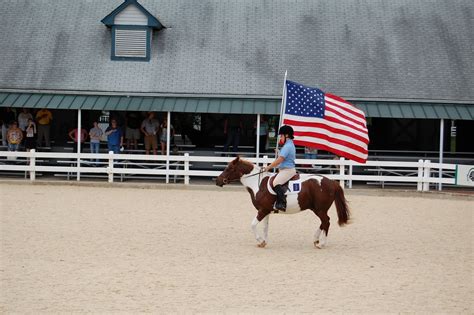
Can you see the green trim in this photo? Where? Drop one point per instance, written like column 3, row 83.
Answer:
column 221, row 105
column 413, row 110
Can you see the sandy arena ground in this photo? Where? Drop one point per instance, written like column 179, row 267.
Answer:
column 115, row 249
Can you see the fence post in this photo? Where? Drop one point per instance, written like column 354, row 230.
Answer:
column 32, row 165
column 440, row 175
column 419, row 183
column 349, row 183
column 426, row 176
column 110, row 168
column 78, row 174
column 341, row 171
column 186, row 168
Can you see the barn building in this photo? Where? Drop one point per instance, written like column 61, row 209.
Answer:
column 407, row 64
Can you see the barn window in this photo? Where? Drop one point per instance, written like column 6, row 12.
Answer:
column 132, row 26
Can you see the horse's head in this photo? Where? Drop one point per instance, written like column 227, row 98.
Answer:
column 234, row 171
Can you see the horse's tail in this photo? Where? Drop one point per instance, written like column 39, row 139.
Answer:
column 343, row 212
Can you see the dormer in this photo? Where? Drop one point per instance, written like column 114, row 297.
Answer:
column 131, row 29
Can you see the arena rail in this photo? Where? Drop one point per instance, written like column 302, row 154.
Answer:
column 422, row 173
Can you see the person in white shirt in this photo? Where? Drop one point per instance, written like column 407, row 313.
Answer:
column 23, row 118
column 95, row 135
column 30, row 133
column 163, row 135
column 150, row 127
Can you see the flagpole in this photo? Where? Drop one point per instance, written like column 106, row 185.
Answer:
column 282, row 110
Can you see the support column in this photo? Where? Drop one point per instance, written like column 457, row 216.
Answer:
column 168, row 136
column 258, row 136
column 441, row 142
column 79, row 129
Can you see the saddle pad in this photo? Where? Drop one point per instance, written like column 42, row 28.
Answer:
column 293, row 186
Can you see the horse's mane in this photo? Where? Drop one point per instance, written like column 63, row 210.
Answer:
column 248, row 163
column 244, row 164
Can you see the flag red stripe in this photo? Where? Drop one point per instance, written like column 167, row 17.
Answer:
column 337, row 121
column 322, row 125
column 350, row 107
column 330, row 149
column 359, row 117
column 357, row 122
column 334, row 123
column 337, row 98
column 330, row 139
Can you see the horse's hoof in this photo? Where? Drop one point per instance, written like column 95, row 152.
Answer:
column 262, row 244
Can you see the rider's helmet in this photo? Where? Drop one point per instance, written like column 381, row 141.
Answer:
column 286, row 130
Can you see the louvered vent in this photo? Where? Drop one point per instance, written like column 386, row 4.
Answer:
column 130, row 43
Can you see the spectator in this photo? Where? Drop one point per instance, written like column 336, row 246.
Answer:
column 1, row 126
column 114, row 137
column 232, row 129
column 311, row 154
column 163, row 135
column 30, row 133
column 336, row 167
column 7, row 116
column 14, row 136
column 150, row 127
column 95, row 135
column 44, row 118
column 23, row 119
column 74, row 135
column 263, row 134
column 132, row 131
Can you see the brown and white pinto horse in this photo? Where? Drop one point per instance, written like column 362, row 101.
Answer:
column 314, row 192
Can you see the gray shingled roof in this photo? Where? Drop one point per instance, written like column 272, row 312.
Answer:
column 386, row 49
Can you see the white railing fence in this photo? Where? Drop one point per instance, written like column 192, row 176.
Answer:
column 184, row 167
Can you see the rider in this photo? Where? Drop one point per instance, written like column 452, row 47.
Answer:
column 286, row 165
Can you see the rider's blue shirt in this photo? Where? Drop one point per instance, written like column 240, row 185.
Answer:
column 288, row 151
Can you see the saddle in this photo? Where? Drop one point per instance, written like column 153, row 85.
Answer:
column 291, row 186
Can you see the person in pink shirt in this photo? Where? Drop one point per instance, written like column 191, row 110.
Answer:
column 73, row 134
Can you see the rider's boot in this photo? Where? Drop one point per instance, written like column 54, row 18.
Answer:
column 280, row 203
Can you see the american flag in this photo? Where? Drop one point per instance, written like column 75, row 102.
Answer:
column 327, row 122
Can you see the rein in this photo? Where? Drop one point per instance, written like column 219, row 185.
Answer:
column 259, row 176
column 261, row 172
column 246, row 176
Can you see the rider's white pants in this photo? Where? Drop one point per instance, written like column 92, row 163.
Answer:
column 284, row 175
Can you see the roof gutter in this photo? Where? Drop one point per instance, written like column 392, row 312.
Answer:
column 237, row 96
